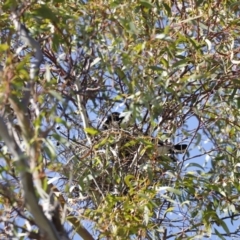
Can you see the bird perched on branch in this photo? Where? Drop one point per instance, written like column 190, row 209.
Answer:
column 169, row 148
column 116, row 120
column 113, row 120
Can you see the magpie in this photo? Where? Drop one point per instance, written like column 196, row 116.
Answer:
column 168, row 148
column 113, row 121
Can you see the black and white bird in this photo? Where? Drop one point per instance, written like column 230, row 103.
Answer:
column 169, row 148
column 113, row 120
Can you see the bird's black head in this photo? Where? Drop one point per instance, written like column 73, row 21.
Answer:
column 113, row 121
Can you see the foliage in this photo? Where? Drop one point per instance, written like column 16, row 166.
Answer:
column 172, row 67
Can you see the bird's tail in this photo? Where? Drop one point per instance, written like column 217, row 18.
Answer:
column 179, row 148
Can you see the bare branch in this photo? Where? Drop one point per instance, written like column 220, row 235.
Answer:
column 83, row 114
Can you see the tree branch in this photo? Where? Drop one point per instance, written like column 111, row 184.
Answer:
column 26, row 178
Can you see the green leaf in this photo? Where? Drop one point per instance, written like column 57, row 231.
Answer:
column 170, row 189
column 181, row 63
column 128, row 179
column 133, row 28
column 46, row 13
column 91, row 131
column 56, row 94
column 194, row 165
column 224, row 226
column 146, row 214
column 238, row 102
column 169, row 209
column 50, row 149
column 55, row 42
column 167, row 8
column 3, row 47
column 198, row 138
column 146, row 4
column 231, row 97
column 163, row 36
column 9, row 4
column 219, row 234
column 103, row 142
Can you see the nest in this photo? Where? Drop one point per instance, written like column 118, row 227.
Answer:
column 118, row 161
